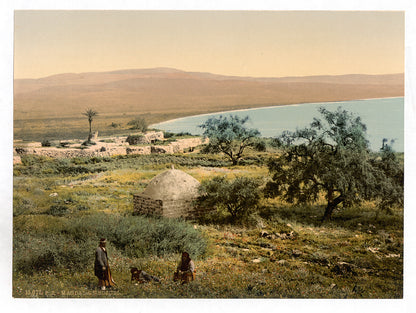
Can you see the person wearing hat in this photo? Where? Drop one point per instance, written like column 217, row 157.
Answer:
column 101, row 268
column 185, row 270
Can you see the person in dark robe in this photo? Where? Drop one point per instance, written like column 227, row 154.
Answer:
column 101, row 267
column 185, row 271
column 142, row 276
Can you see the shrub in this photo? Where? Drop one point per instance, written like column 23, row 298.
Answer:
column 167, row 135
column 72, row 243
column 260, row 145
column 134, row 139
column 42, row 252
column 57, row 210
column 238, row 197
column 138, row 123
column 31, row 159
column 22, row 205
column 115, row 125
column 46, row 143
column 63, row 144
column 138, row 236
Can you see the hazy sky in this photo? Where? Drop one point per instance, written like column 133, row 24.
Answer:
column 243, row 43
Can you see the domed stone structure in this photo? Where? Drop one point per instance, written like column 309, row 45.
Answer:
column 169, row 194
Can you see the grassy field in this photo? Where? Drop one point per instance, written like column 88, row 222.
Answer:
column 62, row 207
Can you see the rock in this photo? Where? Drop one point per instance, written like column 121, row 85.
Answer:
column 296, row 253
column 285, row 236
column 393, row 256
column 343, row 268
column 264, row 233
column 373, row 250
column 256, row 260
column 282, row 262
column 53, row 194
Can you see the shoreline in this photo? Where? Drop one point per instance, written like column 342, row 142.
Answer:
column 266, row 107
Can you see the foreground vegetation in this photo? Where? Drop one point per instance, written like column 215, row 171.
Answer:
column 62, row 207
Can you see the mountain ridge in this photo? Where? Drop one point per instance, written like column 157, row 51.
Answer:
column 168, row 90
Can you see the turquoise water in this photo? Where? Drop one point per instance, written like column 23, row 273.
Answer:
column 384, row 119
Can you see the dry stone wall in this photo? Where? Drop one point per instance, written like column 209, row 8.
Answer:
column 147, row 206
column 177, row 208
column 167, row 208
column 117, row 147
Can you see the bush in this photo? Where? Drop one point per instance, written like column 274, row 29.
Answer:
column 238, row 197
column 139, row 235
column 134, row 139
column 22, row 205
column 46, row 143
column 139, row 124
column 31, row 160
column 72, row 243
column 63, row 144
column 57, row 210
column 44, row 252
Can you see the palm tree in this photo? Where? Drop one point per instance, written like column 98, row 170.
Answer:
column 90, row 114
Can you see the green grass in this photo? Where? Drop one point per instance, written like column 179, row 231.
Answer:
column 60, row 212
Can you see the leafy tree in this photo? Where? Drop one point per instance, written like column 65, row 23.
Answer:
column 390, row 178
column 229, row 135
column 332, row 156
column 90, row 114
column 139, row 124
column 237, row 197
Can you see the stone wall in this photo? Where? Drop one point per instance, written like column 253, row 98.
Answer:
column 138, row 150
column 119, row 147
column 178, row 208
column 154, row 136
column 168, row 208
column 57, row 153
column 147, row 206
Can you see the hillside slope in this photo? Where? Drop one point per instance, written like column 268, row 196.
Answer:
column 164, row 90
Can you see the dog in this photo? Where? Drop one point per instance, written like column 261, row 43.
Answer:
column 142, row 276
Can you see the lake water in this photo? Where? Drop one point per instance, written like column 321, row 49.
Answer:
column 384, row 118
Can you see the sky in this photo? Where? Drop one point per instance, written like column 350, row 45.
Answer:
column 241, row 43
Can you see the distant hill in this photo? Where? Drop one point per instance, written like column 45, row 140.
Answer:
column 167, row 91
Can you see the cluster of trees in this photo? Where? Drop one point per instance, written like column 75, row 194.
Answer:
column 331, row 157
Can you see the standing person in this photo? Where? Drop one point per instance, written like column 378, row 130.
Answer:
column 101, row 268
column 185, row 270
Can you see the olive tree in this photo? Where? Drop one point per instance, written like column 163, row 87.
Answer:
column 229, row 135
column 332, row 157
